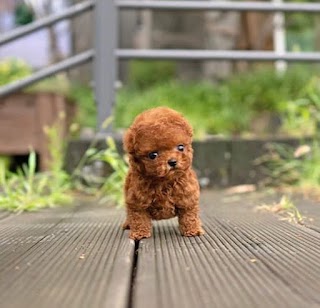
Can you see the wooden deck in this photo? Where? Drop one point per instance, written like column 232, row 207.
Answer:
column 79, row 257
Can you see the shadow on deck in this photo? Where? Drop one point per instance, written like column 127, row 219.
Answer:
column 79, row 257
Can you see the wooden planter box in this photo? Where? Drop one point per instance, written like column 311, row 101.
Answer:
column 23, row 117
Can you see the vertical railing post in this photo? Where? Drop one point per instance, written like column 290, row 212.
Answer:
column 105, row 63
column 279, row 37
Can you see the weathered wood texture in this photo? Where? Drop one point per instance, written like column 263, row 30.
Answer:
column 310, row 210
column 4, row 214
column 80, row 257
column 23, row 117
column 65, row 258
column 246, row 259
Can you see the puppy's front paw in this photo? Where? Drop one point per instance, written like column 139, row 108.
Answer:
column 139, row 235
column 192, row 232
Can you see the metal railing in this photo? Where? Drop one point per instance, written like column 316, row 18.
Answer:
column 46, row 21
column 232, row 55
column 106, row 52
column 55, row 68
column 218, row 5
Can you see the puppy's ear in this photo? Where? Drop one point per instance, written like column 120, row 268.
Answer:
column 128, row 141
column 189, row 130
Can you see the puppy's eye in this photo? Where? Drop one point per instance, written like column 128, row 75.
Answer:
column 180, row 147
column 153, row 155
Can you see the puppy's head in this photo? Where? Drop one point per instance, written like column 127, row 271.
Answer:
column 159, row 143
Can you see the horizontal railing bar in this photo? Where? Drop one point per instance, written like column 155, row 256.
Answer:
column 183, row 54
column 219, row 5
column 47, row 72
column 46, row 21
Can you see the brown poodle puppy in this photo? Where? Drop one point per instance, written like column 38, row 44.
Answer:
column 161, row 183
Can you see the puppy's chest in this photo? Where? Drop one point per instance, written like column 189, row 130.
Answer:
column 163, row 196
column 163, row 203
column 166, row 197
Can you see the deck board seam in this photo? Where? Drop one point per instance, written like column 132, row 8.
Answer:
column 133, row 274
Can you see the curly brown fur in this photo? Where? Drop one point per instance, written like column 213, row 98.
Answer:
column 161, row 183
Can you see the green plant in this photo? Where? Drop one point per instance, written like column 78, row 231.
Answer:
column 264, row 89
column 284, row 207
column 23, row 14
column 302, row 115
column 58, row 84
column 101, row 172
column 215, row 109
column 210, row 110
column 145, row 73
column 279, row 165
column 27, row 190
column 197, row 102
column 13, row 69
column 287, row 165
column 57, row 149
column 311, row 167
column 112, row 185
column 107, row 184
column 87, row 111
column 5, row 161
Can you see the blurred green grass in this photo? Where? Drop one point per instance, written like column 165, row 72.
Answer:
column 227, row 108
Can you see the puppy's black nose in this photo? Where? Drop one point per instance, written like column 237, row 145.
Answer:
column 172, row 162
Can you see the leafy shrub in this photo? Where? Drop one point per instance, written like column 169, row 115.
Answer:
column 288, row 165
column 264, row 89
column 87, row 111
column 145, row 73
column 301, row 116
column 227, row 108
column 107, row 182
column 27, row 190
column 13, row 69
column 23, row 14
column 198, row 102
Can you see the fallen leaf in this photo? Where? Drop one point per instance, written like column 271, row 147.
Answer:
column 302, row 150
column 241, row 189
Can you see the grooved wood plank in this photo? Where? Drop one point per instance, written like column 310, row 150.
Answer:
column 64, row 258
column 4, row 214
column 79, row 257
column 246, row 259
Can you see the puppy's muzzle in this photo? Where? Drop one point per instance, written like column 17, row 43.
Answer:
column 172, row 163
